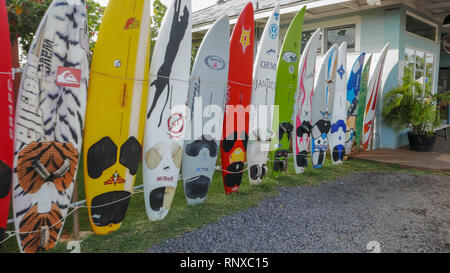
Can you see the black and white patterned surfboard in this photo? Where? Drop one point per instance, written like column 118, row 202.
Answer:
column 49, row 124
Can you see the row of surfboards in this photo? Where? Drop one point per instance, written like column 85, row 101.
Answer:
column 63, row 104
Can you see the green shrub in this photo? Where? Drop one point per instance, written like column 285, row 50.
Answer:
column 415, row 108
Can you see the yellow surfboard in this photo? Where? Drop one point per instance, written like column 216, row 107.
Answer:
column 115, row 117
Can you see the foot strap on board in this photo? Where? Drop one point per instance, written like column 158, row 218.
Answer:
column 45, row 174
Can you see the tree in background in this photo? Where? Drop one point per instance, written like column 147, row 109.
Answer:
column 94, row 17
column 24, row 17
column 159, row 10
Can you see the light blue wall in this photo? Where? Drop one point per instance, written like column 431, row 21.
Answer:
column 378, row 27
column 372, row 30
column 392, row 34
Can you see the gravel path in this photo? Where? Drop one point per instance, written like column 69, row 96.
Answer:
column 402, row 211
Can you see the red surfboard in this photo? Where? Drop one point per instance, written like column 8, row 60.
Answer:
column 236, row 118
column 6, row 118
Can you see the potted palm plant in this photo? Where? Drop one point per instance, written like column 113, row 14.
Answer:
column 410, row 106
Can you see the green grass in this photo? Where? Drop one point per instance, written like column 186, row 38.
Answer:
column 137, row 233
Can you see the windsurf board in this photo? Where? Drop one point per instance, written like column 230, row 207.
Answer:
column 373, row 92
column 338, row 111
column 49, row 125
column 115, row 112
column 303, row 103
column 6, row 119
column 353, row 88
column 323, row 90
column 235, row 122
column 206, row 102
column 263, row 98
column 166, row 109
column 287, row 79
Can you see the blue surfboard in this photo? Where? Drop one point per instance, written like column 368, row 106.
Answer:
column 353, row 87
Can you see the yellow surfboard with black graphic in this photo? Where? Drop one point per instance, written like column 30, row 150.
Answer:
column 117, row 97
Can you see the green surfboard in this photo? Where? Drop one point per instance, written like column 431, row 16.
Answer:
column 362, row 102
column 287, row 76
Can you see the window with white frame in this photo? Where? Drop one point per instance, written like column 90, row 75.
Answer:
column 419, row 67
column 333, row 35
column 337, row 35
column 306, row 35
column 421, row 27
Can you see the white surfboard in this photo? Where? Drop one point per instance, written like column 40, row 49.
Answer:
column 166, row 109
column 323, row 90
column 206, row 102
column 374, row 88
column 303, row 103
column 338, row 102
column 50, row 113
column 263, row 98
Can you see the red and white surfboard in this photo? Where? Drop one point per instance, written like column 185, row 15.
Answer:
column 6, row 118
column 235, row 130
column 373, row 90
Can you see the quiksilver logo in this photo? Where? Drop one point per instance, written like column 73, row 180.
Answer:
column 69, row 77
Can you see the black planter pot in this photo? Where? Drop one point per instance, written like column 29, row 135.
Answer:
column 421, row 143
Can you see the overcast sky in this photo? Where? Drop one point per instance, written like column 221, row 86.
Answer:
column 196, row 4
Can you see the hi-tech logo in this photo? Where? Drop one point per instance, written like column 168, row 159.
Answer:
column 132, row 23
